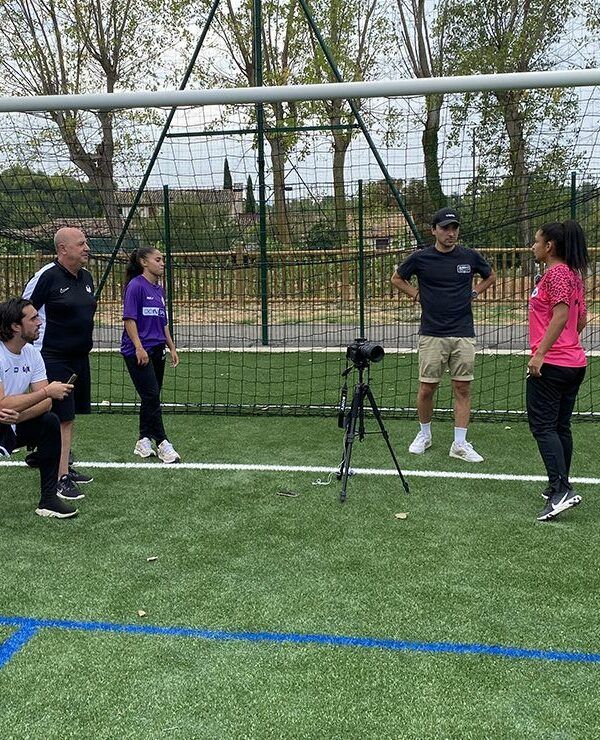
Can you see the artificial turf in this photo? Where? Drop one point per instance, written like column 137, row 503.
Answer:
column 310, row 382
column 469, row 564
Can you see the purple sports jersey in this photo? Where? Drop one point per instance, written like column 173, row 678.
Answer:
column 144, row 303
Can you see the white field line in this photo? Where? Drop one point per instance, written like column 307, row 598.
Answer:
column 260, row 349
column 265, row 407
column 311, row 469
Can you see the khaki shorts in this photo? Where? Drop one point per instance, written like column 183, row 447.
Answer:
column 438, row 353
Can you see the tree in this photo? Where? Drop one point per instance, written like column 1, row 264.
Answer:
column 227, row 181
column 512, row 36
column 283, row 41
column 194, row 227
column 421, row 43
column 354, row 32
column 250, row 204
column 379, row 201
column 30, row 198
column 58, row 47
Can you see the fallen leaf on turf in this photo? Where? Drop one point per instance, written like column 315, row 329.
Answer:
column 507, row 427
column 152, row 558
column 141, row 613
column 401, row 515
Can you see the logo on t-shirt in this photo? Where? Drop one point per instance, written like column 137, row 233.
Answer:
column 63, row 290
column 87, row 287
column 463, row 268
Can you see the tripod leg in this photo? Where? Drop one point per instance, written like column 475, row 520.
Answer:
column 386, row 436
column 355, row 410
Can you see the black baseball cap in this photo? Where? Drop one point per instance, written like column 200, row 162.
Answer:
column 445, row 216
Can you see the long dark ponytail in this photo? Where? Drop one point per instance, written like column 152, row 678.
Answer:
column 569, row 240
column 134, row 266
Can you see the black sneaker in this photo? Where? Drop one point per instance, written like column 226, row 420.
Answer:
column 559, row 502
column 546, row 493
column 78, row 477
column 56, row 508
column 32, row 459
column 67, row 490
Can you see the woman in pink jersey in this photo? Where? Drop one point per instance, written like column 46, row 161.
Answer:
column 557, row 316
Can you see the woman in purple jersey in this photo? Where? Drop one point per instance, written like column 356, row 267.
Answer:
column 145, row 339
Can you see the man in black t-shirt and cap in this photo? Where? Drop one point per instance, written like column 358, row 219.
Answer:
column 445, row 291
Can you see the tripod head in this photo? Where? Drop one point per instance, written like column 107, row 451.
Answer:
column 361, row 352
column 359, row 356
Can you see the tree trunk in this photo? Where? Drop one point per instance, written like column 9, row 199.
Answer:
column 281, row 225
column 98, row 167
column 511, row 113
column 341, row 142
column 430, row 145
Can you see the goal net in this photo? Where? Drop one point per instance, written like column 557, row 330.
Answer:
column 272, row 272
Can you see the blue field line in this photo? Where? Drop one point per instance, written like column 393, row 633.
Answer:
column 26, row 632
column 28, row 628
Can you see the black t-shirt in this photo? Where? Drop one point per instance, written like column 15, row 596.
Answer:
column 445, row 285
column 66, row 305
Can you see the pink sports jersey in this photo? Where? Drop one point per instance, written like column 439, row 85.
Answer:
column 559, row 284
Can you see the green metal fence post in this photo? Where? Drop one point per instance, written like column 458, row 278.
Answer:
column 168, row 257
column 361, row 260
column 573, row 195
column 262, row 191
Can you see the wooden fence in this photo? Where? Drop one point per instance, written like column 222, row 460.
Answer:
column 304, row 276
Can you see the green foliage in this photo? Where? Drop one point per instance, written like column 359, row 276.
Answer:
column 227, row 181
column 504, row 37
column 30, row 198
column 379, row 200
column 250, row 202
column 195, row 227
column 491, row 219
column 83, row 46
column 322, row 235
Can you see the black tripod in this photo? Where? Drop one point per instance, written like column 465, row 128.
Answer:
column 356, row 416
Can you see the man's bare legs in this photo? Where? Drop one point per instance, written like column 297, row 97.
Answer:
column 462, row 402
column 460, row 448
column 425, row 397
column 425, row 401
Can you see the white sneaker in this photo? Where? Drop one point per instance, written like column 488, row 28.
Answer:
column 419, row 444
column 465, row 451
column 166, row 453
column 143, row 448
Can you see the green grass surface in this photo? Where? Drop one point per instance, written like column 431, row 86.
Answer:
column 312, row 379
column 469, row 564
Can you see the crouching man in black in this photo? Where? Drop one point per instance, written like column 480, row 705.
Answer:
column 26, row 399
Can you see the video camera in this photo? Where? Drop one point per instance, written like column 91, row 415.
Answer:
column 361, row 352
